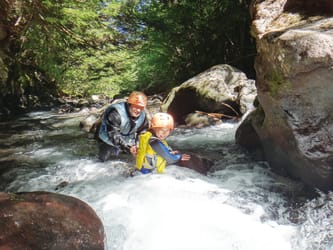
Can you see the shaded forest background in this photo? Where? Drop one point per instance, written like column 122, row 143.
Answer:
column 50, row 48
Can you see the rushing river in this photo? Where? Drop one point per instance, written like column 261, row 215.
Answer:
column 241, row 204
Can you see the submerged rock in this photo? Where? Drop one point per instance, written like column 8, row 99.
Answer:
column 198, row 163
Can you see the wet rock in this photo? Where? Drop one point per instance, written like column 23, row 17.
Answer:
column 89, row 123
column 201, row 120
column 43, row 220
column 247, row 137
column 294, row 81
column 61, row 185
column 197, row 163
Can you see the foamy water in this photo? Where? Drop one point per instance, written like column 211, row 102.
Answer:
column 239, row 205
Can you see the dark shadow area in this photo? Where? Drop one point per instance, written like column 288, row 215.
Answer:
column 310, row 7
column 185, row 102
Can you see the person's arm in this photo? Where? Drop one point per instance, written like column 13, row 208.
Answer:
column 164, row 151
column 113, row 121
column 143, row 128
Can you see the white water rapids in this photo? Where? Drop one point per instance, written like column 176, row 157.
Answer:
column 240, row 205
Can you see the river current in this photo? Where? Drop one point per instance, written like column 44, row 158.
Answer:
column 240, row 204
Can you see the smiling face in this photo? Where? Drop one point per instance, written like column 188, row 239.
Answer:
column 162, row 133
column 135, row 110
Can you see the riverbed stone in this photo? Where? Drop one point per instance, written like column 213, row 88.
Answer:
column 44, row 220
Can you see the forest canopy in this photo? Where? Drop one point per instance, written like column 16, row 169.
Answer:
column 80, row 48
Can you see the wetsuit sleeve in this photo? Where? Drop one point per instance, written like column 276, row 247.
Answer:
column 113, row 121
column 163, row 151
column 144, row 127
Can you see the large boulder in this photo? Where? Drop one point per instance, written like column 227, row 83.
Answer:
column 221, row 89
column 42, row 220
column 294, row 68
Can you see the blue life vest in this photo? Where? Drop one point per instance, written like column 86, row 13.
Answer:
column 127, row 133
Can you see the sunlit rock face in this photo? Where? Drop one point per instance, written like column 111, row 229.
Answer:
column 294, row 68
column 42, row 220
column 221, row 89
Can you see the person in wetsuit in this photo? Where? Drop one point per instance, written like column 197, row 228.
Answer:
column 121, row 124
column 154, row 152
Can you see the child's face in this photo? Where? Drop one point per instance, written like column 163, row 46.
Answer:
column 162, row 133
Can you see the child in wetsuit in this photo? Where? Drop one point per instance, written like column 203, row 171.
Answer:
column 154, row 152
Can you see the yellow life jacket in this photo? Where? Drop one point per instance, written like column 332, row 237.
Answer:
column 147, row 157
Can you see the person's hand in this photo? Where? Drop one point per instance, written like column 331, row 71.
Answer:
column 174, row 152
column 185, row 157
column 134, row 150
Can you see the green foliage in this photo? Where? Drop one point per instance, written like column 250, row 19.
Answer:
column 106, row 47
column 106, row 72
column 100, row 64
column 184, row 38
column 81, row 51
